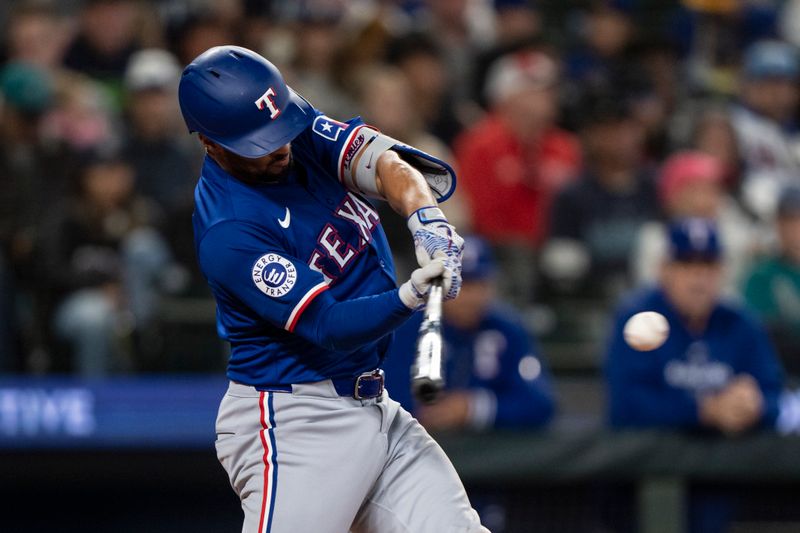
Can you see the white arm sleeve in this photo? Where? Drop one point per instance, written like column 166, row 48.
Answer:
column 359, row 170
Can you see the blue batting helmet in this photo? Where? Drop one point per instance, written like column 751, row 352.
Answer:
column 240, row 101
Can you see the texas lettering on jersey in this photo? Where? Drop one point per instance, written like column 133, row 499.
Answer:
column 332, row 248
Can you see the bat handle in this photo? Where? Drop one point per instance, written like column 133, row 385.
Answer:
column 427, row 380
column 433, row 309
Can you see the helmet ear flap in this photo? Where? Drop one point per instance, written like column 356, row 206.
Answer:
column 239, row 100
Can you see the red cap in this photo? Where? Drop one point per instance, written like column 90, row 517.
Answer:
column 685, row 168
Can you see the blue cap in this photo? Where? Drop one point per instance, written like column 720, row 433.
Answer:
column 770, row 59
column 477, row 263
column 694, row 239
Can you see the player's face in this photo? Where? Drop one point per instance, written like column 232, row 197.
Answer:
column 693, row 287
column 269, row 168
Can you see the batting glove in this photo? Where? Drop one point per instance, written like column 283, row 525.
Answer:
column 435, row 238
column 414, row 292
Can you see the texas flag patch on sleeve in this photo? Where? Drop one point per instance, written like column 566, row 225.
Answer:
column 328, row 128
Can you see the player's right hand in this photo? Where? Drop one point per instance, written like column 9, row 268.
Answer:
column 414, row 292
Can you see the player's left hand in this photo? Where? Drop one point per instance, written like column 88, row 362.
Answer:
column 414, row 292
column 434, row 238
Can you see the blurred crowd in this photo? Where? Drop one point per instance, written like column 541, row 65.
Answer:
column 581, row 133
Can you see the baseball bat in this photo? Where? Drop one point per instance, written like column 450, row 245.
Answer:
column 427, row 380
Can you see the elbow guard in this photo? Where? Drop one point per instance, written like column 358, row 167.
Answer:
column 366, row 146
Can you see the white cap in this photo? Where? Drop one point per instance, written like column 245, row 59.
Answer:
column 151, row 68
column 519, row 71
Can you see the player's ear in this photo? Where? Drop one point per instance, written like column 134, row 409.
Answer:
column 211, row 147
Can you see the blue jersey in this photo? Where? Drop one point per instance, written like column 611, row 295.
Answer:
column 662, row 387
column 269, row 250
column 497, row 360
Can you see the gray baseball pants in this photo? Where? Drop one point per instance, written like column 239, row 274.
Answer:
column 312, row 461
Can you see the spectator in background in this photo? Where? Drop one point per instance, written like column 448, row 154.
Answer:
column 37, row 35
column 691, row 184
column 461, row 29
column 764, row 122
column 364, row 39
column 31, row 172
column 713, row 134
column 86, row 68
column 607, row 31
column 228, row 12
column 513, row 161
column 199, row 33
column 495, row 376
column 712, row 36
column 772, row 289
column 717, row 369
column 517, row 21
column 601, row 213
column 654, row 87
column 27, row 94
column 519, row 25
column 105, row 42
column 422, row 62
column 313, row 68
column 101, row 257
column 84, row 118
column 163, row 165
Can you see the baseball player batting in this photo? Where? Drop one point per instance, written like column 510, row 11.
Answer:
column 306, row 296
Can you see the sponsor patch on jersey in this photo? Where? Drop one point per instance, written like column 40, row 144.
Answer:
column 274, row 275
column 328, row 128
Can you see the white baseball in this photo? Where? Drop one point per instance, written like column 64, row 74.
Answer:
column 646, row 331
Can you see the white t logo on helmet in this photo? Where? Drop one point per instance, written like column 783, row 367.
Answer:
column 266, row 101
